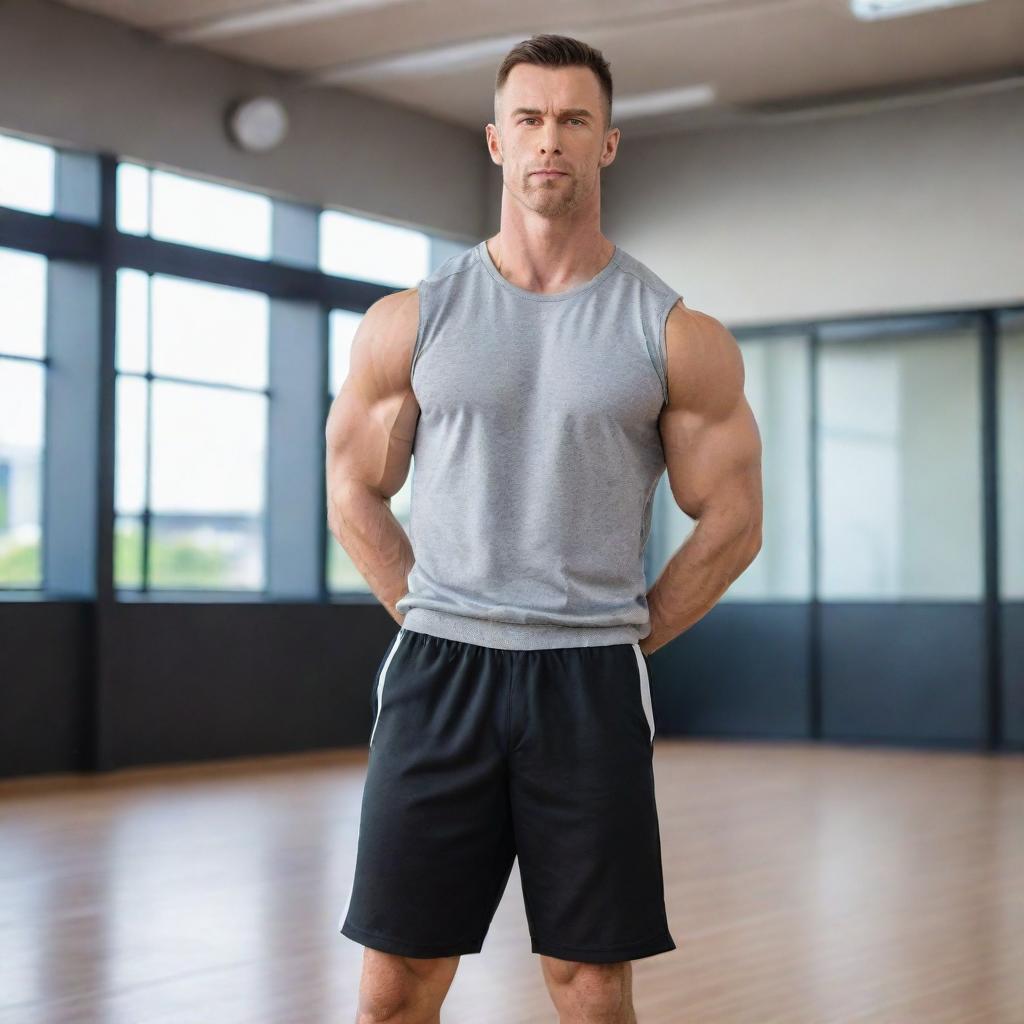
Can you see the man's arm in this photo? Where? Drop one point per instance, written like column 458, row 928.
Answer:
column 370, row 431
column 713, row 456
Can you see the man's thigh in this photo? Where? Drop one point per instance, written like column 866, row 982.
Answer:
column 435, row 846
column 583, row 804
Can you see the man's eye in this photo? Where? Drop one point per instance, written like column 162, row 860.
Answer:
column 525, row 119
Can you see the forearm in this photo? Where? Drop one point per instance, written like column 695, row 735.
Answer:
column 698, row 574
column 362, row 522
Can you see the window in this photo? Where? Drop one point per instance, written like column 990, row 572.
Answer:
column 899, row 503
column 26, row 175
column 369, row 250
column 342, row 574
column 191, row 414
column 205, row 214
column 22, row 407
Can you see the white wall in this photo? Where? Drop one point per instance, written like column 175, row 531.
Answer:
column 74, row 78
column 910, row 209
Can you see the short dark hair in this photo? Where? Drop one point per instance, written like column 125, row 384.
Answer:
column 554, row 51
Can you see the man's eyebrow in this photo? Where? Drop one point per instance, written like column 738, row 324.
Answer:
column 568, row 112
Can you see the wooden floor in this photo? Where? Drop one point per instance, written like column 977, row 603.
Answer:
column 805, row 884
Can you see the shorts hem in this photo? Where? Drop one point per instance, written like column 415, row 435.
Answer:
column 390, row 944
column 662, row 942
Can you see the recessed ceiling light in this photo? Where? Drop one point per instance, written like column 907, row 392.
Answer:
column 448, row 58
column 663, row 101
column 872, row 10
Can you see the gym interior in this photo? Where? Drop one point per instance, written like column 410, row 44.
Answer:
column 198, row 203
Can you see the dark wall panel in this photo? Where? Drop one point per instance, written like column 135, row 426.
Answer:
column 198, row 681
column 903, row 672
column 195, row 681
column 1013, row 673
column 742, row 670
column 45, row 686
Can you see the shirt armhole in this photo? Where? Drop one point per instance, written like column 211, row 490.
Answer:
column 421, row 290
column 662, row 327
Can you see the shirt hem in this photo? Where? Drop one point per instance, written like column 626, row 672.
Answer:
column 518, row 635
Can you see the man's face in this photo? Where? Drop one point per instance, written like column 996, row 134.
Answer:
column 551, row 117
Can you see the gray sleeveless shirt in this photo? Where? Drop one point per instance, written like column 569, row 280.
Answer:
column 536, row 455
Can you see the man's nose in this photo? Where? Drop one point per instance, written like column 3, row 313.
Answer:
column 549, row 138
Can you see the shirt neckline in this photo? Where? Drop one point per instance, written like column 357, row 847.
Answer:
column 526, row 293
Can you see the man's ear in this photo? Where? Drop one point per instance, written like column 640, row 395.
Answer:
column 495, row 150
column 614, row 135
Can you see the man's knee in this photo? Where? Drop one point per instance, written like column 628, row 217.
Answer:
column 401, row 989
column 590, row 991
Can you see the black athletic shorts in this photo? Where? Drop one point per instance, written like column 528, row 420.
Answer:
column 478, row 755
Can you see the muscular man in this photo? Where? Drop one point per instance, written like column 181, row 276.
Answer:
column 544, row 380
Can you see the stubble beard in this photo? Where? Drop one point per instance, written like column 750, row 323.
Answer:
column 551, row 197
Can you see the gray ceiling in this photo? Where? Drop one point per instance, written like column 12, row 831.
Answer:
column 766, row 60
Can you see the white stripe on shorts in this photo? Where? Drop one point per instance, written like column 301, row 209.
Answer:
column 645, row 687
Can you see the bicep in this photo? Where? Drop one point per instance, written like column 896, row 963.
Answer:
column 710, row 437
column 372, row 421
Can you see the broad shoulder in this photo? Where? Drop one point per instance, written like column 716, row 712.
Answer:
column 380, row 356
column 705, row 366
column 384, row 341
column 394, row 316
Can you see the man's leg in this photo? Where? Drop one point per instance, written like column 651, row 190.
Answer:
column 403, row 989
column 581, row 781
column 435, row 845
column 587, row 993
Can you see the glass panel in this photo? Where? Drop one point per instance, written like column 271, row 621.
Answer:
column 342, row 330
column 132, row 320
column 210, row 215
column 209, row 450
column 777, row 387
column 132, row 199
column 370, row 250
column 22, row 404
column 401, row 501
column 342, row 574
column 23, row 302
column 208, row 483
column 207, row 552
column 130, row 472
column 1011, row 460
column 209, row 332
column 900, row 468
column 128, row 552
column 26, row 175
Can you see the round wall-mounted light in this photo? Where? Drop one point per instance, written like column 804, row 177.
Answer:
column 258, row 123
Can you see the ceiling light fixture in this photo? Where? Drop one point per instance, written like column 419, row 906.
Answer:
column 267, row 19
column 873, row 10
column 257, row 124
column 455, row 57
column 663, row 101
